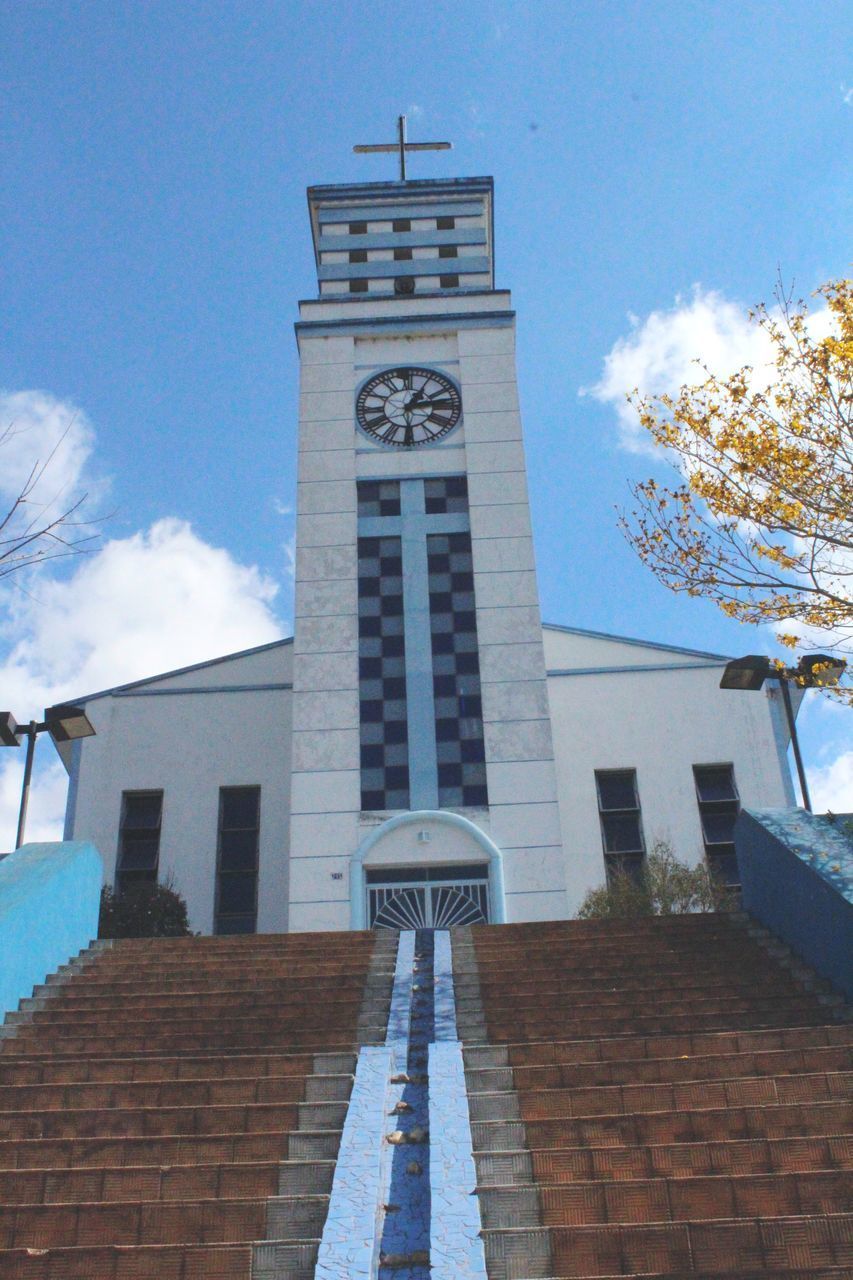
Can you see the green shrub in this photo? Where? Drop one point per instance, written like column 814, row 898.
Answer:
column 145, row 911
column 665, row 887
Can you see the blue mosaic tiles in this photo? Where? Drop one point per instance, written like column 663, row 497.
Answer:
column 350, row 1243
column 403, row 1203
column 456, row 1249
column 405, row 1249
column 823, row 841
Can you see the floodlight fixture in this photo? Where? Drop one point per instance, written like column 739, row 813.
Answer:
column 8, row 730
column 820, row 670
column 66, row 723
column 813, row 671
column 746, row 673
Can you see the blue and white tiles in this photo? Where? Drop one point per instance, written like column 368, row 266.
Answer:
column 402, row 1204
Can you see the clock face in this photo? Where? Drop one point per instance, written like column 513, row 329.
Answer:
column 407, row 406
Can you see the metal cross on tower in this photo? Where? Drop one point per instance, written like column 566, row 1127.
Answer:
column 402, row 146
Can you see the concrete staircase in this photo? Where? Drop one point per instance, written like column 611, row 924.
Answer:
column 173, row 1108
column 655, row 1098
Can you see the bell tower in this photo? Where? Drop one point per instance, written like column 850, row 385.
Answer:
column 423, row 787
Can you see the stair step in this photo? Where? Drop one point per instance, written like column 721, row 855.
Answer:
column 140, row 1182
column 167, row 1149
column 668, row 1199
column 662, row 1127
column 673, row 1160
column 749, row 1091
column 112, row 1262
column 768, row 1246
column 61, row 1070
column 45, row 1226
column 672, row 1070
column 634, row 1047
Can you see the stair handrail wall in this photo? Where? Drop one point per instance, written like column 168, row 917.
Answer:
column 49, row 902
column 796, row 872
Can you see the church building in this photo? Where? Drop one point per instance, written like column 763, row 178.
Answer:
column 423, row 751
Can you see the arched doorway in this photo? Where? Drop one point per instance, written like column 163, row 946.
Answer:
column 426, row 866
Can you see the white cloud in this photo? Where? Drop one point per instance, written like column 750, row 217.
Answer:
column 660, row 354
column 41, row 431
column 159, row 599
column 162, row 598
column 46, row 813
column 831, row 785
column 663, row 351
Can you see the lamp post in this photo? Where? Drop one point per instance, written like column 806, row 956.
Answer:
column 814, row 670
column 63, row 722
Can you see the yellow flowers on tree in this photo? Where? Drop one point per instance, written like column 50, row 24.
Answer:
column 762, row 523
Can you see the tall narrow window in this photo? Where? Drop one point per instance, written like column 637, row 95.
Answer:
column 621, row 828
column 139, row 839
column 718, row 809
column 237, row 860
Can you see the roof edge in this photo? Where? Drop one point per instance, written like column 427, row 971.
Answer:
column 644, row 644
column 180, row 671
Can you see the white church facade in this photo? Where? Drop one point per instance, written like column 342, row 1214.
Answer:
column 423, row 750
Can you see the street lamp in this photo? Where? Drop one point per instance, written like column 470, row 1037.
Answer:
column 814, row 670
column 63, row 722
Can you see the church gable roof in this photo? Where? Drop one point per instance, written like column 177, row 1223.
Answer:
column 578, row 649
column 263, row 664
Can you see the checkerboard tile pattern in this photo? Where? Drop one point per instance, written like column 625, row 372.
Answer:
column 456, row 672
column 382, row 675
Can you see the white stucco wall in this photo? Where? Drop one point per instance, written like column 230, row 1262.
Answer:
column 189, row 744
column 661, row 720
column 614, row 704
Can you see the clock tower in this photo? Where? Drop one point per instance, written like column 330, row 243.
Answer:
column 423, row 787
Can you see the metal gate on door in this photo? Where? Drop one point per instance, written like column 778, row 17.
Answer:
column 427, row 897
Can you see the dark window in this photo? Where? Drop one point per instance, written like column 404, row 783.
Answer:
column 358, row 286
column 237, row 860
column 402, row 224
column 621, row 828
column 448, row 251
column 402, row 255
column 358, row 255
column 718, row 809
column 358, row 228
column 445, row 224
column 139, row 839
column 448, row 282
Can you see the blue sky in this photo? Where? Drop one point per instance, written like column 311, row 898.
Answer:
column 654, row 160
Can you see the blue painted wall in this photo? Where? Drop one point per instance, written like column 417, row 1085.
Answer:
column 49, row 900
column 796, row 872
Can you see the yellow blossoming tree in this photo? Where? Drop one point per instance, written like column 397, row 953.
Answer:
column 762, row 520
